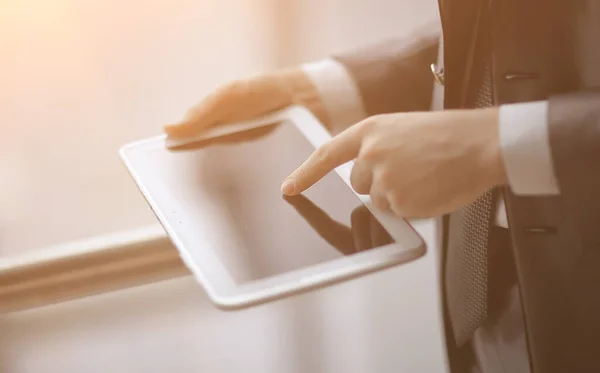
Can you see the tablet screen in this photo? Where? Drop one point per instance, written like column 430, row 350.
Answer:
column 232, row 183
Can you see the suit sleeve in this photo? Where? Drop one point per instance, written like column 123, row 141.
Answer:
column 395, row 76
column 574, row 134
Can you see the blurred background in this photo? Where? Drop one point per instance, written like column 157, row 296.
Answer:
column 80, row 78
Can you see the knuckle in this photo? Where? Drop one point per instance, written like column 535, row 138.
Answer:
column 409, row 205
column 380, row 201
column 395, row 199
column 322, row 153
column 369, row 150
column 367, row 125
column 385, row 178
column 355, row 183
column 359, row 180
column 400, row 198
column 354, row 175
column 300, row 173
column 398, row 204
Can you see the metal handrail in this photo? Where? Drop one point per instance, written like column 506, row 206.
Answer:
column 78, row 269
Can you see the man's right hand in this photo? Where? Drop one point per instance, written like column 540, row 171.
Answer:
column 250, row 98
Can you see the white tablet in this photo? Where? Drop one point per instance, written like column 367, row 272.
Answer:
column 219, row 200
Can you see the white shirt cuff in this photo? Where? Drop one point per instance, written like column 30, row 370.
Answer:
column 526, row 148
column 338, row 91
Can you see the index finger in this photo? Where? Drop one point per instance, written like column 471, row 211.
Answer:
column 342, row 148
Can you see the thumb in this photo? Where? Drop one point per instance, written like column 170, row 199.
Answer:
column 202, row 115
column 237, row 101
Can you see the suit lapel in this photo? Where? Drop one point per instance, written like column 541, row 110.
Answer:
column 459, row 19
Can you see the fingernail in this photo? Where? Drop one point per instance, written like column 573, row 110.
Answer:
column 171, row 128
column 288, row 186
column 177, row 128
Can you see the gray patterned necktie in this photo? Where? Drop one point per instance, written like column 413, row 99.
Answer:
column 467, row 256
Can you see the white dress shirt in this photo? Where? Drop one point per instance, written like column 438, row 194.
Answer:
column 523, row 130
column 528, row 164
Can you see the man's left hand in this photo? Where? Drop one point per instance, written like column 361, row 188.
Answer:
column 414, row 164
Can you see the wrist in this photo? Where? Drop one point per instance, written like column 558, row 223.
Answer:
column 303, row 92
column 492, row 165
column 338, row 91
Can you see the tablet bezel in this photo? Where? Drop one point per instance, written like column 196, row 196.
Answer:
column 205, row 263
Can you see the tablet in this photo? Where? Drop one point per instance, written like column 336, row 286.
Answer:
column 218, row 197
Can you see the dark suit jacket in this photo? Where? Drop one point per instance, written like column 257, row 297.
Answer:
column 541, row 50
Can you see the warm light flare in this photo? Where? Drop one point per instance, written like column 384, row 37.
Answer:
column 79, row 78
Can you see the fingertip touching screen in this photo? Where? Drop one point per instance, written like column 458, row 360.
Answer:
column 233, row 183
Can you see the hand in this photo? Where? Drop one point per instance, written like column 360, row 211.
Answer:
column 250, row 98
column 365, row 233
column 414, row 164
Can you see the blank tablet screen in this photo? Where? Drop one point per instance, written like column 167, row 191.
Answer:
column 231, row 187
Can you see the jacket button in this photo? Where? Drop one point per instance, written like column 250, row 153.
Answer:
column 520, row 76
column 540, row 230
